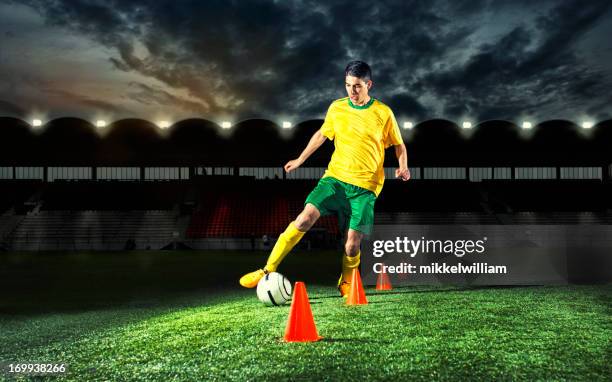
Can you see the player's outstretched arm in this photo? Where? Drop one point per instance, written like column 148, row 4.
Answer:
column 402, row 158
column 315, row 142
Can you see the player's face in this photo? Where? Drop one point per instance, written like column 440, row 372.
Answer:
column 357, row 89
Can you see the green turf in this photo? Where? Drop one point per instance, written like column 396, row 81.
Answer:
column 416, row 333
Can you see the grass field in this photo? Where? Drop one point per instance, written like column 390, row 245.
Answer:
column 180, row 316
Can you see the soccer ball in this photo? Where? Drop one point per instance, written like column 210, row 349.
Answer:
column 274, row 289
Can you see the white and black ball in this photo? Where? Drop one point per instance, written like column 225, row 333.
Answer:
column 274, row 289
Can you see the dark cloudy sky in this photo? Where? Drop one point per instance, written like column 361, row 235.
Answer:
column 175, row 59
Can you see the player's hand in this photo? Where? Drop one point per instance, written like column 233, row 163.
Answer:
column 292, row 165
column 402, row 173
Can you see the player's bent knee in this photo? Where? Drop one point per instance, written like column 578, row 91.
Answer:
column 307, row 218
column 303, row 222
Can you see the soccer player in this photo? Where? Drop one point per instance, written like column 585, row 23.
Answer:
column 361, row 127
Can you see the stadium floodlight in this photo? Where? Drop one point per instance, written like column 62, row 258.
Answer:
column 163, row 124
column 466, row 124
column 226, row 124
column 527, row 125
column 100, row 123
column 587, row 124
column 36, row 122
column 287, row 125
column 408, row 125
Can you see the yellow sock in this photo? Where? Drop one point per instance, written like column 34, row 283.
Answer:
column 286, row 241
column 348, row 264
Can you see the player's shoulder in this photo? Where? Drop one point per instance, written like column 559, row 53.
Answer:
column 336, row 105
column 382, row 106
column 339, row 101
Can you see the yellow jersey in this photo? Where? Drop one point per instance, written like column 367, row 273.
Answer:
column 360, row 134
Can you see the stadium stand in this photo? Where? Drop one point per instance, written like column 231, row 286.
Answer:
column 112, row 195
column 38, row 210
column 264, row 209
column 13, row 194
column 100, row 230
column 108, row 214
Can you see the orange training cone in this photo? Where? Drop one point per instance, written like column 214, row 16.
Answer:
column 301, row 326
column 383, row 282
column 356, row 294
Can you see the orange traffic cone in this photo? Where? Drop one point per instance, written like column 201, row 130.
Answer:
column 301, row 326
column 383, row 282
column 356, row 294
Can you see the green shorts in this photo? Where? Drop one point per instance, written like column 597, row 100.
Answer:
column 354, row 205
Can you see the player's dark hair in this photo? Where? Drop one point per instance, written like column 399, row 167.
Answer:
column 358, row 69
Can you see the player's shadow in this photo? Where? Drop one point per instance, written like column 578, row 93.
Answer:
column 356, row 340
column 315, row 298
column 412, row 289
column 397, row 290
column 405, row 290
column 467, row 288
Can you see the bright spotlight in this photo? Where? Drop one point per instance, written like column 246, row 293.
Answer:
column 467, row 125
column 100, row 123
column 163, row 124
column 527, row 125
column 286, row 125
column 408, row 125
column 587, row 124
column 226, row 125
column 36, row 122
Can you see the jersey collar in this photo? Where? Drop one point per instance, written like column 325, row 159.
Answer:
column 367, row 105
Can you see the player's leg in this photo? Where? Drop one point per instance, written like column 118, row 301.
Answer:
column 350, row 260
column 360, row 223
column 286, row 241
column 292, row 235
column 316, row 205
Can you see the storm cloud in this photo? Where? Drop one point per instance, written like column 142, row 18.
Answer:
column 244, row 59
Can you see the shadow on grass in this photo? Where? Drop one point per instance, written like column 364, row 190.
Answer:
column 355, row 340
column 42, row 283
column 86, row 300
column 411, row 289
